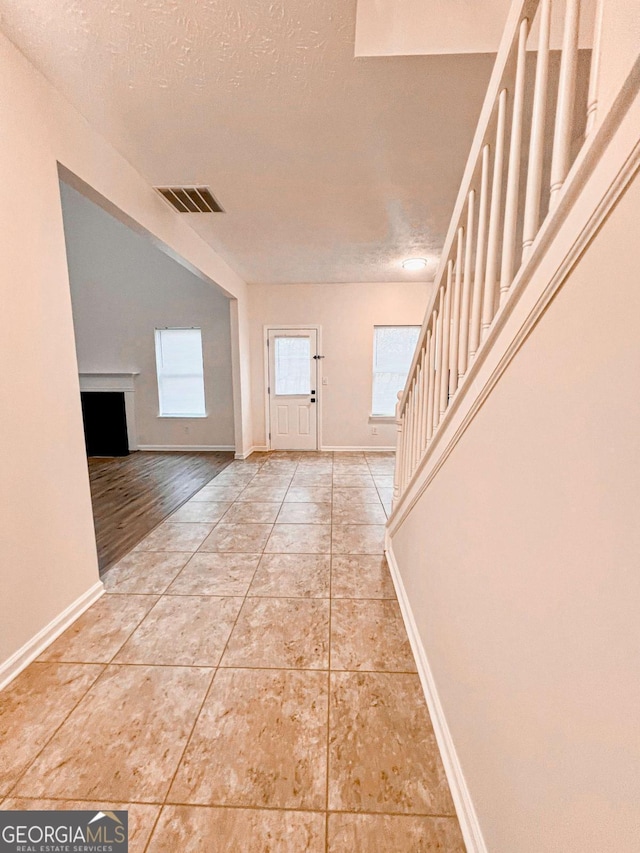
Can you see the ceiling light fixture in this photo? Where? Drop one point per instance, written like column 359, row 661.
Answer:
column 412, row 264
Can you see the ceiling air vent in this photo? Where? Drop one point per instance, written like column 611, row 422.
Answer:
column 191, row 199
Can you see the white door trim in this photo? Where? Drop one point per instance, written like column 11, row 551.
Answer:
column 265, row 360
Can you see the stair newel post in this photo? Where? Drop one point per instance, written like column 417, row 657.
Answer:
column 560, row 159
column 478, row 274
column 536, row 146
column 455, row 315
column 491, row 276
column 463, row 343
column 446, row 334
column 513, row 175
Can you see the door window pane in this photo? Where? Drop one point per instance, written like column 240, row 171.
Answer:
column 292, row 359
column 393, row 348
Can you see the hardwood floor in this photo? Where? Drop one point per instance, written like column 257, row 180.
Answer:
column 132, row 494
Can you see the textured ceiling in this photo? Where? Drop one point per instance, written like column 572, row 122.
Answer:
column 330, row 167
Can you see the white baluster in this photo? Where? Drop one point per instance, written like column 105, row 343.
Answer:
column 594, row 73
column 397, row 471
column 416, row 418
column 438, row 376
column 455, row 317
column 463, row 343
column 432, row 376
column 424, row 394
column 513, row 176
column 494, row 218
column 536, row 147
column 478, row 275
column 446, row 332
column 561, row 157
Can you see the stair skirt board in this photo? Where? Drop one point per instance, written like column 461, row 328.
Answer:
column 467, row 817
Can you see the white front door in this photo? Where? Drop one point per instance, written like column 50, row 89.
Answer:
column 293, row 375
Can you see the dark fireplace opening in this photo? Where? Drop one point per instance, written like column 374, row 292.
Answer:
column 105, row 423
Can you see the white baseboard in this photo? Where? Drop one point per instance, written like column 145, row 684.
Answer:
column 467, row 817
column 258, row 448
column 186, row 447
column 355, row 449
column 36, row 645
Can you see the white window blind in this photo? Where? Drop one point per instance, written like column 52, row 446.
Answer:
column 180, row 373
column 393, row 348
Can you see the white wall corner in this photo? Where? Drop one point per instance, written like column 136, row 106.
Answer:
column 37, row 644
column 255, row 449
column 465, row 810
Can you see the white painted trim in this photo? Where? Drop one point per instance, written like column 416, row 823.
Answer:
column 596, row 182
column 463, row 802
column 265, row 355
column 257, row 448
column 37, row 644
column 354, row 448
column 186, row 447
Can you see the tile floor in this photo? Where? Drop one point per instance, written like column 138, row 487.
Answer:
column 246, row 683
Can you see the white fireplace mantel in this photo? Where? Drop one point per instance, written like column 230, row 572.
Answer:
column 124, row 382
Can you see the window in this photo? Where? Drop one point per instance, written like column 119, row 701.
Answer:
column 292, row 366
column 393, row 348
column 180, row 373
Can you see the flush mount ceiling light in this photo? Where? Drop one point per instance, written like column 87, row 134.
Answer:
column 412, row 264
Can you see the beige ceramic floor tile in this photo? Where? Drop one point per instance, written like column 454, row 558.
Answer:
column 197, row 829
column 299, row 539
column 142, row 818
column 175, row 537
column 349, row 833
column 216, row 574
column 263, row 494
column 260, row 740
column 344, row 513
column 357, row 539
column 292, row 575
column 353, row 481
column 31, row 709
column 234, row 478
column 217, row 494
column 102, row 630
column 308, row 494
column 305, row 513
column 369, row 634
column 383, row 755
column 208, row 512
column 361, row 576
column 268, row 481
column 144, row 571
column 240, row 538
column 124, row 739
column 383, row 481
column 319, row 479
column 252, row 512
column 349, row 496
column 280, row 633
column 183, row 630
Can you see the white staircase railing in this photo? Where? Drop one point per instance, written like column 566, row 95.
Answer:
column 501, row 206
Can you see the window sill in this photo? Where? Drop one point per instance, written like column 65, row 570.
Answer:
column 188, row 417
column 382, row 419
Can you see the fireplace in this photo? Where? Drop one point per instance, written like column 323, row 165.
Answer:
column 108, row 413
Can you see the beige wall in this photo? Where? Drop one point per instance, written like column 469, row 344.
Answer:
column 619, row 42
column 521, row 565
column 47, row 546
column 122, row 289
column 347, row 314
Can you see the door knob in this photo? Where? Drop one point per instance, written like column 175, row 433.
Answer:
column 313, row 399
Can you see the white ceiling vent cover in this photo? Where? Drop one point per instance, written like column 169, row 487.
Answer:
column 191, row 199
